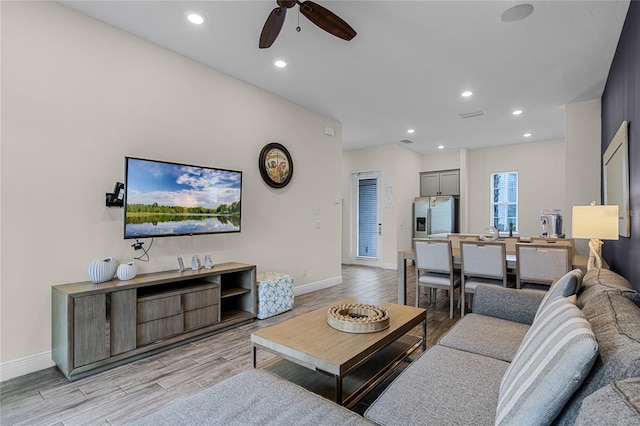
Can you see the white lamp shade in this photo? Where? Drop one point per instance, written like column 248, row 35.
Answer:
column 600, row 222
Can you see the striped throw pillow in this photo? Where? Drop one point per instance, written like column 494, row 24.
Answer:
column 566, row 286
column 555, row 356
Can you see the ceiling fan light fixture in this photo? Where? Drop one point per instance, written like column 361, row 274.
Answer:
column 195, row 18
column 517, row 13
column 323, row 18
column 410, row 131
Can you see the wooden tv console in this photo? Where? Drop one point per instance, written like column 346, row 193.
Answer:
column 99, row 326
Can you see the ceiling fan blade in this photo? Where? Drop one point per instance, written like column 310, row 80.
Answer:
column 272, row 27
column 327, row 20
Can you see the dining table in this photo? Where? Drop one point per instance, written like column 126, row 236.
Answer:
column 579, row 261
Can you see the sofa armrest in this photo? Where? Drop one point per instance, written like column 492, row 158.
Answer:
column 507, row 303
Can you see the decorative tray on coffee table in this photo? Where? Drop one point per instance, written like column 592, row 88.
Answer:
column 358, row 318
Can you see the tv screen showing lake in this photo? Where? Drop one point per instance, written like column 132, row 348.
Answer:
column 141, row 227
column 168, row 199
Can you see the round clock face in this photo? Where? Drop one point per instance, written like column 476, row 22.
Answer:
column 275, row 165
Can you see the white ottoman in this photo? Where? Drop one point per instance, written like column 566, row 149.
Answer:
column 275, row 293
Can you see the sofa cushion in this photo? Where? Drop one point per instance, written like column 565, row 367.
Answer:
column 605, row 277
column 253, row 397
column 488, row 336
column 553, row 360
column 442, row 387
column 615, row 320
column 616, row 404
column 507, row 303
column 598, row 280
column 566, row 286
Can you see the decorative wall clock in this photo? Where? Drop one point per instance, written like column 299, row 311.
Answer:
column 275, row 164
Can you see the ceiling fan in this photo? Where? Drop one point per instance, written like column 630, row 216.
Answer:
column 324, row 18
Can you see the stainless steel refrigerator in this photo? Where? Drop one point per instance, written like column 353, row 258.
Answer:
column 435, row 217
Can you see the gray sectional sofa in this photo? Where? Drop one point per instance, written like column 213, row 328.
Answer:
column 521, row 358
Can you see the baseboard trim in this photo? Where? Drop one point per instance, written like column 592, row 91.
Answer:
column 26, row 365
column 318, row 285
column 382, row 265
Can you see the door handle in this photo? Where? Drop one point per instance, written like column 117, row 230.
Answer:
column 379, row 229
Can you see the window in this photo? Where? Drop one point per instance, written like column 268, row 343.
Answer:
column 504, row 201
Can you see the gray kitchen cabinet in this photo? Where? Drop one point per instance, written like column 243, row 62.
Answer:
column 444, row 182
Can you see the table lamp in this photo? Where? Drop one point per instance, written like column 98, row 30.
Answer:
column 597, row 223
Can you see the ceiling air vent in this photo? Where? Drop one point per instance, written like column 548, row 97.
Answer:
column 472, row 114
column 407, row 141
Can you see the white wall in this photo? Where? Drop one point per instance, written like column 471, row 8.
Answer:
column 400, row 168
column 77, row 96
column 583, row 160
column 445, row 160
column 541, row 182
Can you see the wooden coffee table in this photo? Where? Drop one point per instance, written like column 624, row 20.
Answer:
column 328, row 361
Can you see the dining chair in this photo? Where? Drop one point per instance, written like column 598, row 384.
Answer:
column 510, row 244
column 457, row 238
column 415, row 240
column 434, row 270
column 567, row 242
column 510, row 249
column 541, row 263
column 482, row 262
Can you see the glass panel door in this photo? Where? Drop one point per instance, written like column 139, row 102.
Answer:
column 367, row 217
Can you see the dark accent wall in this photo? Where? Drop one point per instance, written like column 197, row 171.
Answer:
column 621, row 101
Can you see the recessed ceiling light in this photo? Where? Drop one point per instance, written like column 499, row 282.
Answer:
column 279, row 63
column 195, row 18
column 440, row 146
column 411, row 131
column 517, row 13
column 466, row 94
column 517, row 112
column 527, row 135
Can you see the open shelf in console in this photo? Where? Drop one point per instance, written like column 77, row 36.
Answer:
column 230, row 292
column 237, row 295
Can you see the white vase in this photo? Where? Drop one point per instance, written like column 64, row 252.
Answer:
column 101, row 270
column 127, row 271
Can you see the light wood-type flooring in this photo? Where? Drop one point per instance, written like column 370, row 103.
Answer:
column 132, row 390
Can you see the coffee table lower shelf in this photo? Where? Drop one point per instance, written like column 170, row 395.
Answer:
column 357, row 383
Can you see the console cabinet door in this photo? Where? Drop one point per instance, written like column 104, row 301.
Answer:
column 123, row 321
column 89, row 329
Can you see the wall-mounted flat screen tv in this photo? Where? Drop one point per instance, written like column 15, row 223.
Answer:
column 170, row 199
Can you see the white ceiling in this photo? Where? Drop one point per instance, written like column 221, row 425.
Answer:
column 408, row 64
